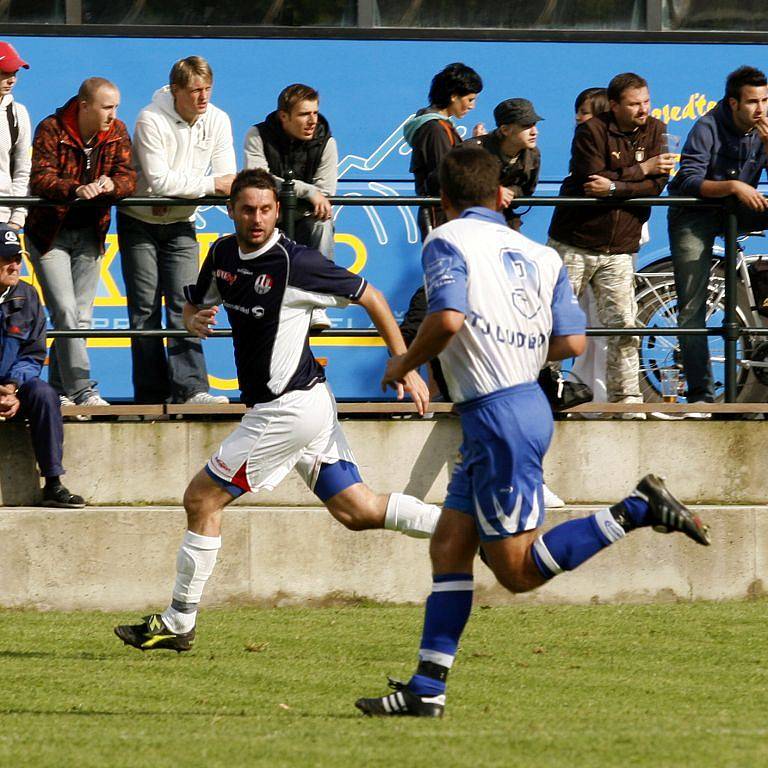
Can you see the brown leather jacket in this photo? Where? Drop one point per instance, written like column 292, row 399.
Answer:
column 599, row 147
column 60, row 165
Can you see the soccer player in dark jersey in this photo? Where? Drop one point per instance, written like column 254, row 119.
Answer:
column 269, row 286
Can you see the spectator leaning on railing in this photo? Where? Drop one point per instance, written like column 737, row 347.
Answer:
column 725, row 154
column 514, row 144
column 15, row 137
column 616, row 154
column 82, row 152
column 183, row 148
column 23, row 394
column 296, row 137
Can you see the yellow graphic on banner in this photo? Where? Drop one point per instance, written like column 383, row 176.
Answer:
column 696, row 106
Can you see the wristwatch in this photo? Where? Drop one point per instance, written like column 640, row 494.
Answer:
column 612, row 189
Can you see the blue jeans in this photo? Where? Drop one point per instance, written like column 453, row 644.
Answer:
column 316, row 234
column 158, row 261
column 69, row 276
column 692, row 235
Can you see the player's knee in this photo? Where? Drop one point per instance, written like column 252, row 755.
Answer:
column 196, row 503
column 353, row 520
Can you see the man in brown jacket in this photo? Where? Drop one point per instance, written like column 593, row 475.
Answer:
column 616, row 154
column 82, row 152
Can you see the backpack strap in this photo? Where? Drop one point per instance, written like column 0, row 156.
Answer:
column 13, row 130
column 448, row 129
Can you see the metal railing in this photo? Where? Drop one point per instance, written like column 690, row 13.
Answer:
column 730, row 330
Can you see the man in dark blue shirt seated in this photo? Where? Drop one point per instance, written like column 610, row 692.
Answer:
column 23, row 394
column 269, row 286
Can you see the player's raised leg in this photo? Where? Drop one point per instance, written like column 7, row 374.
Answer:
column 174, row 628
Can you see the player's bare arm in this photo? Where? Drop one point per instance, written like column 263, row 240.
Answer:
column 199, row 321
column 433, row 337
column 563, row 347
column 378, row 310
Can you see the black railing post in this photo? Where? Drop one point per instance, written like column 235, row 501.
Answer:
column 288, row 204
column 730, row 324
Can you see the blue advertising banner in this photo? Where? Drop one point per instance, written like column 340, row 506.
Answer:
column 368, row 90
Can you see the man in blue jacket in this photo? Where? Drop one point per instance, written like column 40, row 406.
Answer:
column 724, row 156
column 22, row 352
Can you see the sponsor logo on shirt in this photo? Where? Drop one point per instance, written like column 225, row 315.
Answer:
column 227, row 277
column 255, row 311
column 263, row 284
column 243, row 271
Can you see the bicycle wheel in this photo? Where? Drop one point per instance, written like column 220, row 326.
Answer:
column 657, row 308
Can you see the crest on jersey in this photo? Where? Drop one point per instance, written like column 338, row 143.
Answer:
column 525, row 282
column 263, row 284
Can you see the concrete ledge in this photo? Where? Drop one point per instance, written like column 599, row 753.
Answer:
column 110, row 463
column 124, row 559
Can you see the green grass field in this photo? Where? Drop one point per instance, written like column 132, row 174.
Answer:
column 664, row 685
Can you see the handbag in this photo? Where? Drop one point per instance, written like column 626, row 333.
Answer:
column 561, row 392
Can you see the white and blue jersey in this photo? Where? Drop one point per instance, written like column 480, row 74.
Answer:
column 514, row 294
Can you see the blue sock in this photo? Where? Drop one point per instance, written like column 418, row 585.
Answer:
column 636, row 510
column 445, row 616
column 569, row 544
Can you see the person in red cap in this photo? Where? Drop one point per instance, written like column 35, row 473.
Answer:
column 15, row 138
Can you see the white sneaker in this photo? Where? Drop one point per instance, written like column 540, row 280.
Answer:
column 632, row 416
column 697, row 415
column 94, row 399
column 66, row 401
column 206, row 398
column 551, row 500
column 320, row 320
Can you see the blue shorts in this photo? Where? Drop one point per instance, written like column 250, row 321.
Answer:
column 499, row 476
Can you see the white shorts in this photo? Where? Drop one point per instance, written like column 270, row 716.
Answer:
column 299, row 429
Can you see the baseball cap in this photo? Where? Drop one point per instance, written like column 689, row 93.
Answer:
column 10, row 245
column 10, row 61
column 517, row 111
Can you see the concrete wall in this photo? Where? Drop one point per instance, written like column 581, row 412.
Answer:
column 110, row 463
column 287, row 550
column 123, row 559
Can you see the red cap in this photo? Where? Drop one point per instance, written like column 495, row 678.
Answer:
column 10, row 61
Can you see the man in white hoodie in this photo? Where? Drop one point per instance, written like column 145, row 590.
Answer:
column 15, row 138
column 183, row 147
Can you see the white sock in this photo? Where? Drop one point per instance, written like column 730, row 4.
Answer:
column 194, row 565
column 411, row 516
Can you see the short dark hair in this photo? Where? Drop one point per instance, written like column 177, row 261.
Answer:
column 622, row 82
column 595, row 98
column 291, row 95
column 456, row 79
column 256, row 178
column 740, row 77
column 469, row 176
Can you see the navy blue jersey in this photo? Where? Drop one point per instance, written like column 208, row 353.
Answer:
column 269, row 296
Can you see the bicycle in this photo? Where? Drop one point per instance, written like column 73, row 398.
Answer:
column 657, row 308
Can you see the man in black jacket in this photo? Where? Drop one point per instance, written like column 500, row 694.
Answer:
column 296, row 137
column 22, row 352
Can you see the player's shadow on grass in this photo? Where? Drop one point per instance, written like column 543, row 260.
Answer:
column 82, row 656
column 436, row 456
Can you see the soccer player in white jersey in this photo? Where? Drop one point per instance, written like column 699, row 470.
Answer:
column 269, row 286
column 499, row 305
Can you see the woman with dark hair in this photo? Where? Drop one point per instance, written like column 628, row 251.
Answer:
column 431, row 133
column 591, row 101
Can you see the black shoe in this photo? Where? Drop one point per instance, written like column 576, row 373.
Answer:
column 667, row 514
column 403, row 702
column 59, row 496
column 153, row 634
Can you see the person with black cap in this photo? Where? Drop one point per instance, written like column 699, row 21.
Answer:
column 15, row 138
column 514, row 144
column 23, row 394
